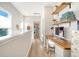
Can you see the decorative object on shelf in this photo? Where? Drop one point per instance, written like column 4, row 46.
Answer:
column 28, row 27
column 54, row 21
column 68, row 16
column 52, row 28
column 17, row 26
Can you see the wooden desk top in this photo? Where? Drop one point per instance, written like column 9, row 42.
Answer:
column 62, row 43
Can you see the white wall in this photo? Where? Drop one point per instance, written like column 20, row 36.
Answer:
column 32, row 19
column 48, row 20
column 75, row 9
column 75, row 32
column 16, row 16
column 46, row 23
column 75, row 44
column 17, row 46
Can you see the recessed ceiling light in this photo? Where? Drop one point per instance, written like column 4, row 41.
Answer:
column 36, row 13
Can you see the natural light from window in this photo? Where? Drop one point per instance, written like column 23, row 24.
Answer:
column 5, row 24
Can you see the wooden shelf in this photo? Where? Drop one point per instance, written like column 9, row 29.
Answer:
column 61, row 7
column 61, row 22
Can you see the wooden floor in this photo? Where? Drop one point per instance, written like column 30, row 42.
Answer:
column 37, row 50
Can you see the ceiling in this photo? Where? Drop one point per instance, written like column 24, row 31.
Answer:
column 31, row 8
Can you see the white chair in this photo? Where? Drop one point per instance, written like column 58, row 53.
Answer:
column 51, row 47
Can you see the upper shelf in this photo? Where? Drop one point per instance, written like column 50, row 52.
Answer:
column 61, row 7
column 61, row 22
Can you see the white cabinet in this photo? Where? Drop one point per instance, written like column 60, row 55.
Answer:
column 60, row 52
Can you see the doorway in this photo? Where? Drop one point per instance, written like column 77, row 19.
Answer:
column 36, row 30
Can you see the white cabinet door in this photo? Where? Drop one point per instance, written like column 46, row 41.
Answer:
column 60, row 52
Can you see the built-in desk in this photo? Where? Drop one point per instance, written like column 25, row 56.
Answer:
column 60, row 45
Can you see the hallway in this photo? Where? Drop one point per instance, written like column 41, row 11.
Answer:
column 39, row 29
column 37, row 50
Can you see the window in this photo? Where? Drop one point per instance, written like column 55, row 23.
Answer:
column 5, row 23
column 3, row 13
